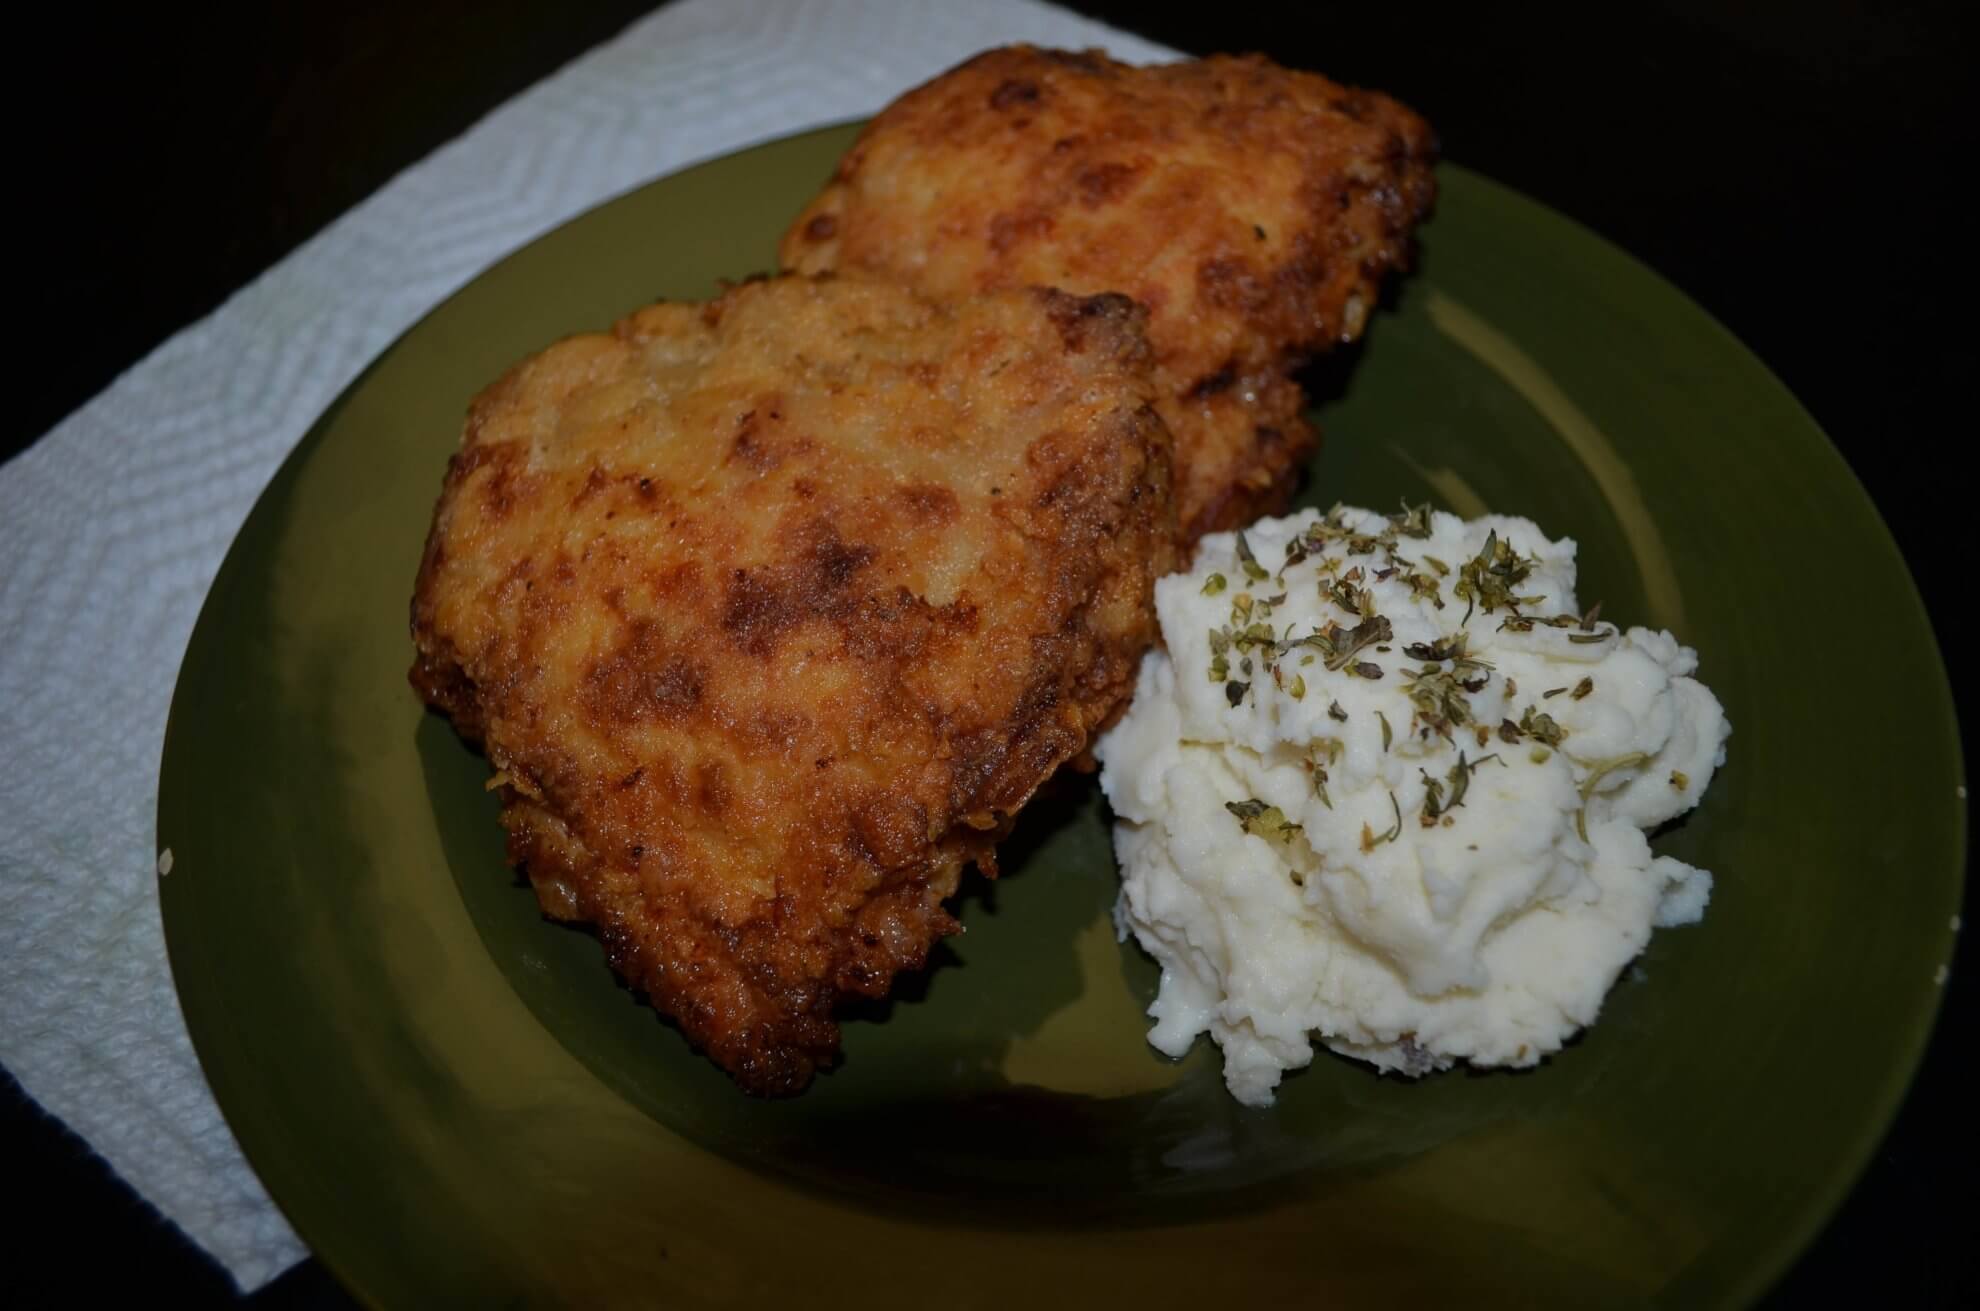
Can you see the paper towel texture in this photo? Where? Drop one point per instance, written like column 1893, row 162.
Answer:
column 113, row 524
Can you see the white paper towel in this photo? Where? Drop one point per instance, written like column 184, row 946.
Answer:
column 113, row 524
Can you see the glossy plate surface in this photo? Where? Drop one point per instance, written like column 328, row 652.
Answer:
column 454, row 1102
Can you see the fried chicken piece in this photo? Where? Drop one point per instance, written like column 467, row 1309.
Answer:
column 1253, row 210
column 771, row 613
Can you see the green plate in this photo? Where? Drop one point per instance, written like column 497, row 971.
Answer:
column 454, row 1102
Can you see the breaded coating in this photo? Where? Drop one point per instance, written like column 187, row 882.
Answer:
column 1253, row 210
column 771, row 612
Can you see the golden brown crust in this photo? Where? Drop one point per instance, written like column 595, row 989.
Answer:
column 1251, row 448
column 772, row 612
column 1252, row 209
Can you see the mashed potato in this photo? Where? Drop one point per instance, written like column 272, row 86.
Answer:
column 1388, row 787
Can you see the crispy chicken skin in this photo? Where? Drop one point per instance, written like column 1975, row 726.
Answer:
column 1253, row 210
column 771, row 612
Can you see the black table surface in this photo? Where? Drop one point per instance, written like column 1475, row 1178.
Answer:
column 1791, row 166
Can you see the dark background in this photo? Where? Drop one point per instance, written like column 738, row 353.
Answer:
column 1791, row 166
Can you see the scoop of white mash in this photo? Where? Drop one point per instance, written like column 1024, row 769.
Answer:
column 1387, row 787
